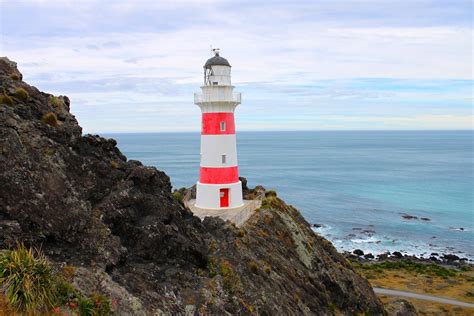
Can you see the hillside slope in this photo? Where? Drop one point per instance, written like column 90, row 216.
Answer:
column 86, row 205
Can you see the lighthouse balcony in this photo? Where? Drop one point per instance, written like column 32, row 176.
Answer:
column 234, row 97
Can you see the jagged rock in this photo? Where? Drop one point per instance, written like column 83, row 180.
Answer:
column 79, row 199
column 450, row 257
column 406, row 216
column 397, row 254
column 358, row 252
column 369, row 256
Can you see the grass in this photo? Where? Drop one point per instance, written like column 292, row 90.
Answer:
column 5, row 99
column 26, row 279
column 178, row 196
column 431, row 308
column 96, row 305
column 224, row 268
column 50, row 119
column 56, row 102
column 431, row 279
column 253, row 266
column 21, row 94
column 29, row 286
column 422, row 268
column 230, row 277
column 270, row 193
column 267, row 268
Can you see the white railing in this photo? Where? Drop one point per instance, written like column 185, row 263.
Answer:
column 187, row 197
column 235, row 98
column 248, row 210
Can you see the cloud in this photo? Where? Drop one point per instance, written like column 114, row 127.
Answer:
column 401, row 59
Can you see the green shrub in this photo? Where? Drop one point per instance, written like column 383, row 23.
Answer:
column 241, row 233
column 114, row 164
column 56, row 102
column 229, row 276
column 102, row 305
column 270, row 193
column 212, row 266
column 65, row 292
column 267, row 269
column 14, row 77
column 21, row 94
column 26, row 280
column 50, row 118
column 253, row 266
column 178, row 196
column 213, row 246
column 5, row 99
column 85, row 306
column 96, row 305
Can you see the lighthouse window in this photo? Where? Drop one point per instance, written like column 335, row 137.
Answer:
column 224, row 158
column 223, row 126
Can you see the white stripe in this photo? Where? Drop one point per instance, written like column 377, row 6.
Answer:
column 207, row 195
column 214, row 146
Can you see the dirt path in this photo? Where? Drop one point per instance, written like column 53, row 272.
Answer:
column 425, row 297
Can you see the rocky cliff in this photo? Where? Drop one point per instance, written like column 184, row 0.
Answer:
column 86, row 205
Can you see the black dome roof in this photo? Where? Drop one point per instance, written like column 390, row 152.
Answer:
column 216, row 61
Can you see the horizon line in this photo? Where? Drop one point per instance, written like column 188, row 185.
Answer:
column 312, row 130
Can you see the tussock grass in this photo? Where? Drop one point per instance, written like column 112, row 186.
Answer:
column 56, row 102
column 30, row 287
column 26, row 279
column 22, row 94
column 5, row 99
column 51, row 119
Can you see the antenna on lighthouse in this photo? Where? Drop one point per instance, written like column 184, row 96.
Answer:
column 215, row 51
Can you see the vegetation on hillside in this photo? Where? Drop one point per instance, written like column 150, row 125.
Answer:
column 29, row 285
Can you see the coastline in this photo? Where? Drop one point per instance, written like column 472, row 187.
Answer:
column 376, row 245
column 321, row 174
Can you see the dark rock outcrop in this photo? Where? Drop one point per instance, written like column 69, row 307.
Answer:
column 86, row 205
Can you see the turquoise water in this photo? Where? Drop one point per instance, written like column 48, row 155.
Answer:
column 349, row 181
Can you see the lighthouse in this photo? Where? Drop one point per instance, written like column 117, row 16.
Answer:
column 219, row 186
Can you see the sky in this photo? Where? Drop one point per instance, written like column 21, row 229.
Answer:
column 133, row 66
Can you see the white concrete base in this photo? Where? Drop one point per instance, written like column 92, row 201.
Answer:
column 208, row 195
column 238, row 215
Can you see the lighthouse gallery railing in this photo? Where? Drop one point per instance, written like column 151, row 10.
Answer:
column 236, row 97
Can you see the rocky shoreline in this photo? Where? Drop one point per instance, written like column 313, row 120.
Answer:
column 367, row 234
column 451, row 260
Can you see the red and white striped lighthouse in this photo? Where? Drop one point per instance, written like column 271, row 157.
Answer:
column 218, row 186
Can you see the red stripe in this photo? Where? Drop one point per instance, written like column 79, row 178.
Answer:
column 219, row 175
column 211, row 123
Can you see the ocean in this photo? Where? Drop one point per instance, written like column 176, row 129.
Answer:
column 357, row 185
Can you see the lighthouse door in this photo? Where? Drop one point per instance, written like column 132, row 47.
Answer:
column 224, row 197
